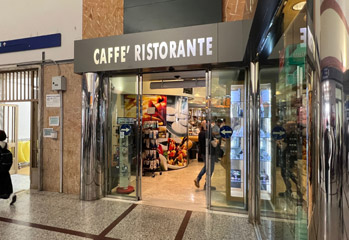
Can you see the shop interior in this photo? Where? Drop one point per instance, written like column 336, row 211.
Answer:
column 173, row 110
column 176, row 101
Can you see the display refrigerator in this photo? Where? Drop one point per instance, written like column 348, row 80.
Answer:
column 265, row 154
column 236, row 189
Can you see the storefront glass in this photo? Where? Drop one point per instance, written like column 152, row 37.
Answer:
column 284, row 135
column 227, row 141
column 122, row 161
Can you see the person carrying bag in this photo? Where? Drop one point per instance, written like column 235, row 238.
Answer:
column 6, row 189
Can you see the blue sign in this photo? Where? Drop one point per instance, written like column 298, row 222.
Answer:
column 31, row 43
column 278, row 133
column 126, row 129
column 226, row 132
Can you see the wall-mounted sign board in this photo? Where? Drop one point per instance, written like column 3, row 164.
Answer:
column 49, row 133
column 201, row 44
column 53, row 100
column 54, row 121
column 31, row 43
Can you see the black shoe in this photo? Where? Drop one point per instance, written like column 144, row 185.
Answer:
column 196, row 182
column 14, row 199
column 284, row 194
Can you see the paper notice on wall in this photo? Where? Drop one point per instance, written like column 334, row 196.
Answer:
column 54, row 121
column 53, row 100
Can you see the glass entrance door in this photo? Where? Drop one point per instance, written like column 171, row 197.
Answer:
column 123, row 137
column 285, row 97
column 227, row 139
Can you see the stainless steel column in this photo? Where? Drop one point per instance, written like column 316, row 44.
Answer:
column 92, row 137
column 208, row 159
column 253, row 178
column 329, row 214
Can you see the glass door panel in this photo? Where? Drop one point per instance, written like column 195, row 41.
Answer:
column 283, row 160
column 227, row 141
column 123, row 135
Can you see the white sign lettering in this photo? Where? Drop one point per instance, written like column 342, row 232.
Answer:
column 155, row 51
column 116, row 54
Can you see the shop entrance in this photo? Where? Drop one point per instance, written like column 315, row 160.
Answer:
column 154, row 152
column 176, row 103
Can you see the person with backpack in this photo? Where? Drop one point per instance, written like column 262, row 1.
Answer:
column 6, row 189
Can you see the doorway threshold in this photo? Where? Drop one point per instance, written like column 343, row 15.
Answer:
column 183, row 205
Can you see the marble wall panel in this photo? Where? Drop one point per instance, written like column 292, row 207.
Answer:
column 102, row 18
column 235, row 10
column 71, row 133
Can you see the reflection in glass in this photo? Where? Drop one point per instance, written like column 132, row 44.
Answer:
column 284, row 97
column 228, row 116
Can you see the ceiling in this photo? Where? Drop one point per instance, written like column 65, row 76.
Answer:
column 289, row 13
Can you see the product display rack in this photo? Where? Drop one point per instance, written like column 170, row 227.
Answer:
column 151, row 156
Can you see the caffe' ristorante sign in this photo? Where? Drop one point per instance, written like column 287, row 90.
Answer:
column 212, row 43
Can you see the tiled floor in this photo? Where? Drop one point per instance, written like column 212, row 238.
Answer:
column 175, row 188
column 45, row 215
column 20, row 182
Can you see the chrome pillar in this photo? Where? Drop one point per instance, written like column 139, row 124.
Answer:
column 139, row 167
column 329, row 214
column 92, row 137
column 253, row 178
column 208, row 78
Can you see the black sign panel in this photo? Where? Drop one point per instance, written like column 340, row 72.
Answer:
column 203, row 44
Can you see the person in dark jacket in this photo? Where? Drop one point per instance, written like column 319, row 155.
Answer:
column 6, row 189
column 202, row 142
column 214, row 155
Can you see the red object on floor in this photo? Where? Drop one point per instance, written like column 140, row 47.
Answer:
column 127, row 190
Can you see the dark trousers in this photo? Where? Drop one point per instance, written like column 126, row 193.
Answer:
column 288, row 175
column 5, row 185
column 203, row 170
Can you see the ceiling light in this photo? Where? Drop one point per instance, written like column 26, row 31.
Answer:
column 299, row 6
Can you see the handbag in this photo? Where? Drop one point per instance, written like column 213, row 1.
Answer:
column 214, row 142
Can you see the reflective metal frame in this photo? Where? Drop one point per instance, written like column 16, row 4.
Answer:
column 139, row 167
column 254, row 184
column 92, row 163
column 208, row 78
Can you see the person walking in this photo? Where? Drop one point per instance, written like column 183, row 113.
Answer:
column 214, row 154
column 6, row 189
column 202, row 142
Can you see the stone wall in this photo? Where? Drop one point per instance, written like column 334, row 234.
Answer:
column 102, row 18
column 235, row 10
column 71, row 133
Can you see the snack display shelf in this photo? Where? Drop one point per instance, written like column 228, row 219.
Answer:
column 151, row 155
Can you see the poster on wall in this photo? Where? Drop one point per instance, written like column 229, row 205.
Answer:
column 177, row 116
column 154, row 108
column 53, row 100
